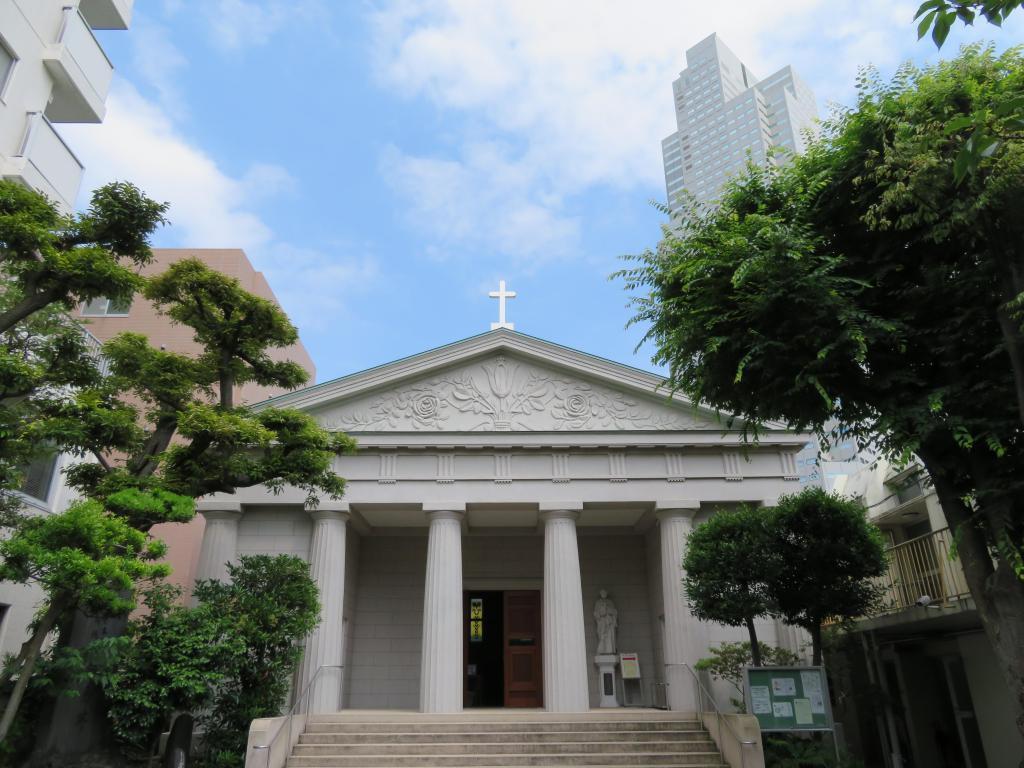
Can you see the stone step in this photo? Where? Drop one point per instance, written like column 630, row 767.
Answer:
column 508, row 760
column 491, row 736
column 323, row 725
column 508, row 748
column 503, row 716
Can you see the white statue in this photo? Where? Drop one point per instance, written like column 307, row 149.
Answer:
column 607, row 618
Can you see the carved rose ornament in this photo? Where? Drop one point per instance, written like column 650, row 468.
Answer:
column 502, row 395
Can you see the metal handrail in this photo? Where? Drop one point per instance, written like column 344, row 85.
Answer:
column 292, row 712
column 702, row 694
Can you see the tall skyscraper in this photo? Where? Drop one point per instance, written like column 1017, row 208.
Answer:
column 724, row 112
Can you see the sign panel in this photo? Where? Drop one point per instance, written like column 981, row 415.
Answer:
column 788, row 698
column 629, row 663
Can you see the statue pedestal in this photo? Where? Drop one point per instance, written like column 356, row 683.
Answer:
column 606, row 663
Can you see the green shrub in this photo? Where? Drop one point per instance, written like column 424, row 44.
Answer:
column 226, row 660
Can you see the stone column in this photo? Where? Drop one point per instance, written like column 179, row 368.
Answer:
column 441, row 666
column 565, row 648
column 220, row 538
column 325, row 644
column 682, row 631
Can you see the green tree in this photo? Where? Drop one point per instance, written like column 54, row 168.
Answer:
column 160, row 428
column 728, row 563
column 983, row 138
column 861, row 283
column 50, row 263
column 49, row 259
column 939, row 16
column 176, row 656
column 274, row 603
column 82, row 558
column 228, row 659
column 828, row 555
column 727, row 661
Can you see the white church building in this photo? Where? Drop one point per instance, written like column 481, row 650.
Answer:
column 501, row 483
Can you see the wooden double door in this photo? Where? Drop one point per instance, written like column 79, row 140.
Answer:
column 502, row 649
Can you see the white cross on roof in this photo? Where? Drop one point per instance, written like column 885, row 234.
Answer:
column 501, row 294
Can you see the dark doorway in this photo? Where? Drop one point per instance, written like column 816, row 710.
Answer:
column 483, row 631
column 523, row 685
column 501, row 636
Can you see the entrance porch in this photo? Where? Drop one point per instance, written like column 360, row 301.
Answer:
column 397, row 598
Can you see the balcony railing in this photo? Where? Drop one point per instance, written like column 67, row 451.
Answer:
column 923, row 567
column 95, row 347
column 81, row 72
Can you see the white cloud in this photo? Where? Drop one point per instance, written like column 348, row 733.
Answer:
column 139, row 142
column 160, row 63
column 583, row 93
column 484, row 200
column 236, row 24
column 314, row 286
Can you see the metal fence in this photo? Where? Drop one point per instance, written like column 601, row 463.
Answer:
column 923, row 567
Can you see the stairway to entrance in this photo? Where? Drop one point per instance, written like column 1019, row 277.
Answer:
column 504, row 738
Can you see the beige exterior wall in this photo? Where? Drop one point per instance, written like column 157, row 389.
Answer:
column 143, row 317
column 185, row 540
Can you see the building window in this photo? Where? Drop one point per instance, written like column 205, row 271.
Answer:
column 104, row 307
column 39, row 477
column 7, row 63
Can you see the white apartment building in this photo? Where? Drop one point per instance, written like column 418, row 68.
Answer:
column 724, row 114
column 52, row 70
column 943, row 699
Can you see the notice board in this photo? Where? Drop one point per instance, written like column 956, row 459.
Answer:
column 788, row 698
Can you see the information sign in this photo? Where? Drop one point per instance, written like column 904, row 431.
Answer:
column 629, row 663
column 788, row 698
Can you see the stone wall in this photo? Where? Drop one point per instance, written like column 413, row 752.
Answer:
column 618, row 564
column 274, row 531
column 387, row 630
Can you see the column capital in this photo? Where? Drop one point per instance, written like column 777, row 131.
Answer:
column 332, row 505
column 219, row 510
column 445, row 514
column 322, row 513
column 666, row 509
column 560, row 506
column 559, row 514
column 444, row 506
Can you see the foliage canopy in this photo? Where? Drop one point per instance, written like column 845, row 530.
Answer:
column 864, row 283
column 228, row 659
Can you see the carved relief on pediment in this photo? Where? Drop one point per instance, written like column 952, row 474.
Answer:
column 504, row 395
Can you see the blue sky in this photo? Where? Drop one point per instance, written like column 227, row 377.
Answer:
column 386, row 163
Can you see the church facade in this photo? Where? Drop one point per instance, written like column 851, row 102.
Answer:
column 502, row 484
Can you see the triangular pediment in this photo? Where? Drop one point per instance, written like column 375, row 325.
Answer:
column 499, row 382
column 503, row 393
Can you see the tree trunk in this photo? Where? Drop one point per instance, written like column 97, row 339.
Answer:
column 815, row 631
column 1011, row 332
column 25, row 307
column 77, row 731
column 755, row 647
column 227, row 382
column 29, row 656
column 997, row 591
column 1012, row 340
